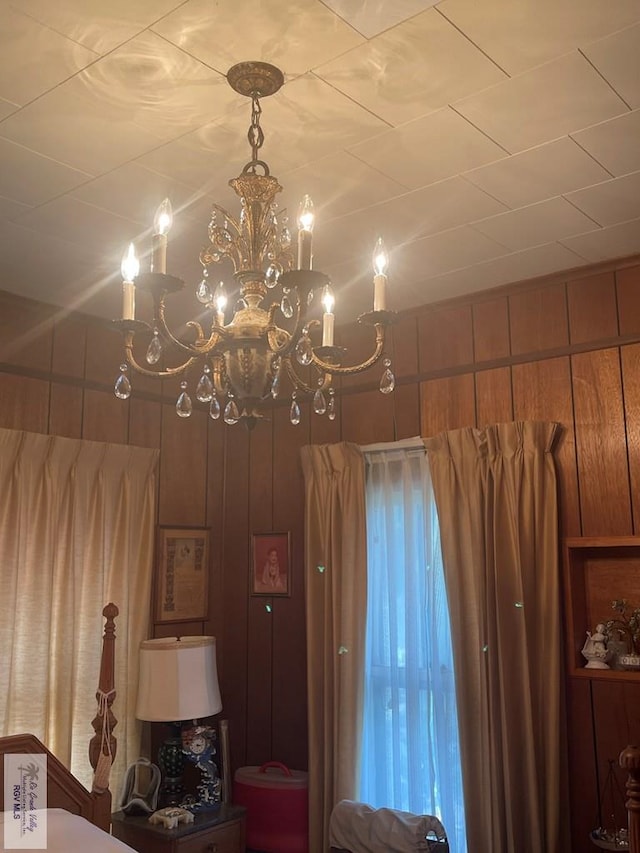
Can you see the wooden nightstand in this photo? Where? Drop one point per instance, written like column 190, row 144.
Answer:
column 221, row 830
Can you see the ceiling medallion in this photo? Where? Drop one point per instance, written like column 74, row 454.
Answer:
column 245, row 362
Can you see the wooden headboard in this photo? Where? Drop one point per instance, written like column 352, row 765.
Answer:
column 64, row 791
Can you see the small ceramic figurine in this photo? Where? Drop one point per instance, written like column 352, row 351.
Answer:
column 595, row 649
column 171, row 817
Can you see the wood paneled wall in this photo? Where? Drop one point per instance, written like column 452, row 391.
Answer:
column 565, row 348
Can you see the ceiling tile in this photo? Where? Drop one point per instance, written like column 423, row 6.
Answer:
column 517, row 266
column 99, row 26
column 9, row 208
column 614, row 143
column 520, row 34
column 338, row 184
column 402, row 220
column 617, row 58
column 417, row 67
column 32, row 179
column 371, row 17
column 6, row 108
column 539, row 223
column 97, row 231
column 616, row 241
column 428, row 149
column 448, row 250
column 295, row 35
column 617, row 200
column 209, row 156
column 134, row 193
column 33, row 58
column 543, row 172
column 541, row 105
column 120, row 107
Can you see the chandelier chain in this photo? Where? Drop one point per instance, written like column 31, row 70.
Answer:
column 255, row 134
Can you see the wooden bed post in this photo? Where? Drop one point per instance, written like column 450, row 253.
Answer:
column 630, row 760
column 102, row 746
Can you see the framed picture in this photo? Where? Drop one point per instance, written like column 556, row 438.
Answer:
column 271, row 571
column 182, row 583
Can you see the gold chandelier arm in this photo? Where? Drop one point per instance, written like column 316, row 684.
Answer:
column 300, row 385
column 274, row 333
column 167, row 372
column 349, row 370
column 201, row 345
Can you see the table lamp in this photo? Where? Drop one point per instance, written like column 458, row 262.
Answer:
column 178, row 682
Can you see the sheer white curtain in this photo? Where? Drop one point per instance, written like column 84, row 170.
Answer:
column 76, row 531
column 410, row 749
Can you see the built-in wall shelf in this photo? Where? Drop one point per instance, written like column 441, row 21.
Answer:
column 597, row 570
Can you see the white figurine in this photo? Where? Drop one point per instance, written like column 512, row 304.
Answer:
column 595, row 648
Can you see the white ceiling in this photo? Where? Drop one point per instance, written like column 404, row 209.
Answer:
column 487, row 142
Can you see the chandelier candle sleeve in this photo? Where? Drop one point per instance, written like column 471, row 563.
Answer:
column 162, row 222
column 380, row 265
column 130, row 267
column 306, row 220
column 328, row 318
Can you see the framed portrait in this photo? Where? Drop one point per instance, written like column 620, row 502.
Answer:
column 182, row 581
column 271, row 569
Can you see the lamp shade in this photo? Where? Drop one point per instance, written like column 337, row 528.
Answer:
column 178, row 679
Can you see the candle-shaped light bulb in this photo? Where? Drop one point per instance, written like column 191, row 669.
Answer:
column 220, row 301
column 380, row 258
column 306, row 221
column 380, row 266
column 130, row 267
column 162, row 222
column 163, row 219
column 306, row 216
column 328, row 318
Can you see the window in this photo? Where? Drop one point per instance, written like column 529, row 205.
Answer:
column 410, row 749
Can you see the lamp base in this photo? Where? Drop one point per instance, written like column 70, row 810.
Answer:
column 171, row 761
column 199, row 748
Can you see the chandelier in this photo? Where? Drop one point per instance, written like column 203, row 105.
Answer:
column 241, row 364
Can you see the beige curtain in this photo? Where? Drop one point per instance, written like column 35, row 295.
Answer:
column 336, row 602
column 496, row 496
column 76, row 531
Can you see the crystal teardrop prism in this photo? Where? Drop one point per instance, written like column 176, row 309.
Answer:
column 388, row 380
column 184, row 406
column 214, row 408
column 294, row 412
column 203, row 292
column 304, row 351
column 204, row 389
column 286, row 306
column 271, row 276
column 154, row 350
column 231, row 413
column 122, row 388
column 275, row 384
column 319, row 402
column 331, row 408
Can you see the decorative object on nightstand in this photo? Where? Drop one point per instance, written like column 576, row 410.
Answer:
column 595, row 649
column 626, row 627
column 178, row 682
